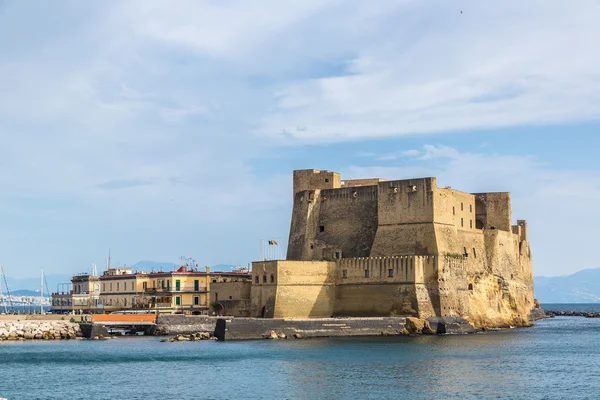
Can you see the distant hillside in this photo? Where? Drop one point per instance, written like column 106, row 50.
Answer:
column 27, row 293
column 149, row 266
column 221, row 268
column 32, row 284
column 580, row 287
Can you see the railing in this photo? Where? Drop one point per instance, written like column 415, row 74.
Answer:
column 172, row 289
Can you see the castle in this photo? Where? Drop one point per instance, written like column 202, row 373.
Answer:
column 370, row 247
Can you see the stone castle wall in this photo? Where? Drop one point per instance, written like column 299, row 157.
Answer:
column 408, row 247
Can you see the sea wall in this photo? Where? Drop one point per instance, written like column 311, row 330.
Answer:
column 41, row 330
column 260, row 328
column 179, row 324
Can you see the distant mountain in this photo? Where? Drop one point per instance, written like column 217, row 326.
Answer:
column 27, row 293
column 580, row 287
column 149, row 266
column 32, row 284
column 221, row 268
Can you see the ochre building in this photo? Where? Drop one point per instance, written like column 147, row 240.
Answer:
column 371, row 247
column 184, row 290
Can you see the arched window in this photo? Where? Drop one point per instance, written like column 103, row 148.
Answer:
column 470, row 286
column 264, row 279
column 272, row 279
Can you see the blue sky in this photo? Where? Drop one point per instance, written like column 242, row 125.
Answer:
column 162, row 130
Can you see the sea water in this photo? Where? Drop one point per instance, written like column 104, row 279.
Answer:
column 558, row 358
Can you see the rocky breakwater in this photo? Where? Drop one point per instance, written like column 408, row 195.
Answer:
column 567, row 313
column 194, row 337
column 39, row 330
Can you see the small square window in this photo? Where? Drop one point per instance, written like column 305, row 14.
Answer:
column 321, row 228
column 344, row 273
column 326, row 180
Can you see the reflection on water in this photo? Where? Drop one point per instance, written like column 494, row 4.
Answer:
column 558, row 358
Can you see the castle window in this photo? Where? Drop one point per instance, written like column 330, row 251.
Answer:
column 344, row 273
column 474, row 253
column 471, row 224
column 470, row 286
column 465, row 252
column 470, row 207
column 264, row 279
column 390, row 273
column 462, row 222
column 312, row 246
column 366, row 273
column 326, row 180
column 453, row 210
column 272, row 279
column 321, row 228
column 337, row 255
column 462, row 207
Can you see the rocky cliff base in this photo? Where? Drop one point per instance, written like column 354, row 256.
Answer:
column 39, row 330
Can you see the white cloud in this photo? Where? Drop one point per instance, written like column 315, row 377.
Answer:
column 138, row 123
column 435, row 70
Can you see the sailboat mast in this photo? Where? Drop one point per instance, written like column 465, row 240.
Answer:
column 42, row 294
column 3, row 277
column 2, row 293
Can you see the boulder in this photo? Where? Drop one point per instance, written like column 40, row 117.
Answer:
column 537, row 313
column 297, row 336
column 281, row 335
column 450, row 325
column 28, row 335
column 416, row 325
column 272, row 335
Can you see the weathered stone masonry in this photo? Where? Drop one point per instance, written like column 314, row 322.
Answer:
column 385, row 248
